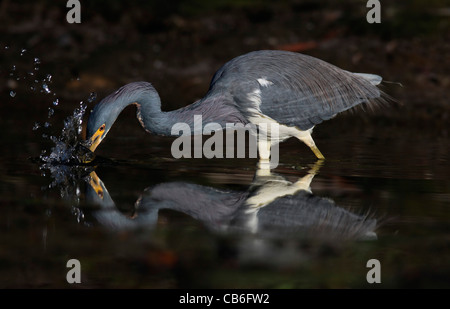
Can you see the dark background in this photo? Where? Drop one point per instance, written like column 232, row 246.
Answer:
column 178, row 45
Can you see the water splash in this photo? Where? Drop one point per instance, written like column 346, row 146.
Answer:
column 68, row 147
column 66, row 178
column 28, row 72
column 28, row 76
column 61, row 161
column 64, row 161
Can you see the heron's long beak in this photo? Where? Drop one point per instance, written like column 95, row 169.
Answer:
column 95, row 139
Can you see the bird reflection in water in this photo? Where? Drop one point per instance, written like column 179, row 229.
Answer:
column 271, row 208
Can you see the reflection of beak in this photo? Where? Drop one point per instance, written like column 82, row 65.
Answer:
column 95, row 183
column 95, row 140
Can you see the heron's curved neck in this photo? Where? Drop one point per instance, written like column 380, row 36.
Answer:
column 148, row 104
column 154, row 120
column 150, row 115
column 212, row 108
column 195, row 115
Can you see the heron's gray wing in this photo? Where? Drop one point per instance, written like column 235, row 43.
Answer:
column 313, row 94
column 293, row 89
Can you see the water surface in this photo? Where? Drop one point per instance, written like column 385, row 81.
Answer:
column 158, row 222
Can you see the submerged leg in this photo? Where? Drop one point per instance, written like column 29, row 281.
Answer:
column 317, row 152
column 305, row 136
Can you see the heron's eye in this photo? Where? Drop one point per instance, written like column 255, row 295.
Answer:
column 101, row 128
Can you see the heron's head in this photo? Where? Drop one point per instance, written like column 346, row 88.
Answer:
column 99, row 123
column 105, row 113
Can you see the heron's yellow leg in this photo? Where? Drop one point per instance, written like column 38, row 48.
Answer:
column 305, row 137
column 317, row 152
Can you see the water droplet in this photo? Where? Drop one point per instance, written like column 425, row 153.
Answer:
column 13, row 68
column 47, row 124
column 22, row 51
column 45, row 87
column 48, row 77
column 51, row 111
column 36, row 126
column 6, row 47
column 12, row 93
column 56, row 102
column 32, row 88
column 37, row 61
column 92, row 97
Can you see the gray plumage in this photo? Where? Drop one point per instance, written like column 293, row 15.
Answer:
column 302, row 91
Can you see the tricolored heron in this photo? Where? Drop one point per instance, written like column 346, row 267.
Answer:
column 293, row 90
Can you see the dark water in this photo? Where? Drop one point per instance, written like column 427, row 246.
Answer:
column 145, row 220
column 140, row 219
